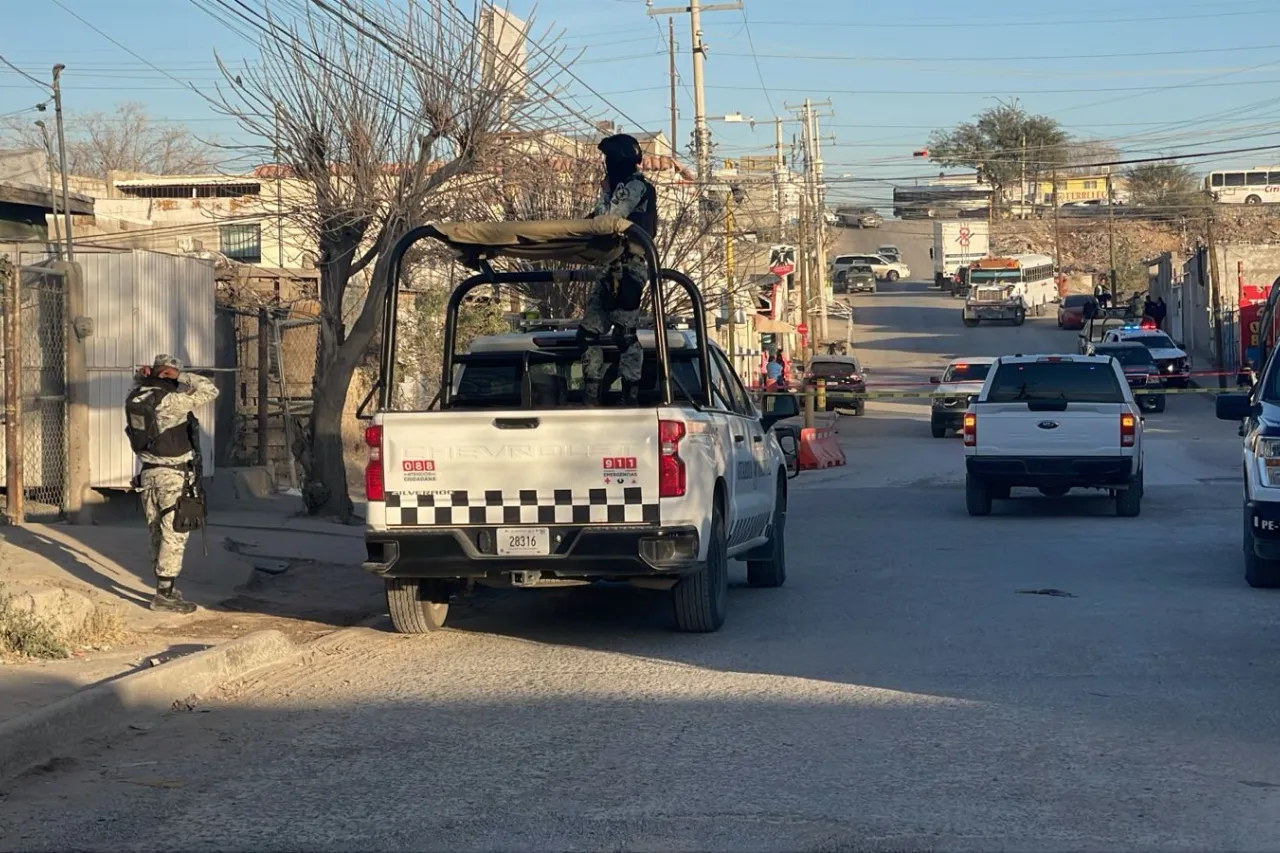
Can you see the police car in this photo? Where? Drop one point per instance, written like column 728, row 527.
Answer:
column 1258, row 412
column 1171, row 359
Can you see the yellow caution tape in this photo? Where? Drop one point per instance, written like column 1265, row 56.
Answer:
column 836, row 396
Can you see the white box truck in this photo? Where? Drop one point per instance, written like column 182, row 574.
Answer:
column 957, row 243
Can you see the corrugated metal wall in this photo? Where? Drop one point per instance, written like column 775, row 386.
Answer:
column 142, row 303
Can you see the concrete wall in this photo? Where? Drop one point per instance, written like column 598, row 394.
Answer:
column 1261, row 266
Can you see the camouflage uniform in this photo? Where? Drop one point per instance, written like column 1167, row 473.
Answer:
column 623, row 282
column 162, row 486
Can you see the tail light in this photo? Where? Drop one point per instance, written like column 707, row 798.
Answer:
column 671, row 474
column 970, row 430
column 1128, row 430
column 374, row 484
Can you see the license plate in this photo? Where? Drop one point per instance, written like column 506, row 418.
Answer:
column 524, row 541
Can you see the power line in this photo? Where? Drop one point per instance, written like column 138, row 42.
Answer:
column 38, row 82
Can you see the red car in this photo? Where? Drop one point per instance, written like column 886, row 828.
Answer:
column 1071, row 311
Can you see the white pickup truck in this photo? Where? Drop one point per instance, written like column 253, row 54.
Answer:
column 508, row 480
column 1053, row 423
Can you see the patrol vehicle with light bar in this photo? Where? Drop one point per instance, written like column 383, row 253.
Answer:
column 506, row 479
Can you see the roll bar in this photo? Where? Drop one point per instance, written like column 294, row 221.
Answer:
column 487, row 276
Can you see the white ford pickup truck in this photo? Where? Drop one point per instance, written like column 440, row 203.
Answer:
column 508, row 479
column 1053, row 423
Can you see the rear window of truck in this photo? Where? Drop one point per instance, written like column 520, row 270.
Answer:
column 501, row 381
column 1067, row 381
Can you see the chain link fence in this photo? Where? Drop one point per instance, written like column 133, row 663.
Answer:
column 41, row 428
column 274, row 363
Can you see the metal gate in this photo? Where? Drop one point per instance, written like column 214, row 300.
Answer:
column 43, row 421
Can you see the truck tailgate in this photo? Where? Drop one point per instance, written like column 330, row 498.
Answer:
column 1082, row 429
column 520, row 467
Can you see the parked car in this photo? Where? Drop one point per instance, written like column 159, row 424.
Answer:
column 859, row 278
column 843, row 375
column 890, row 253
column 1071, row 311
column 883, row 268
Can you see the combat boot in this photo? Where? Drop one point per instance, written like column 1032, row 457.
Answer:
column 591, row 392
column 168, row 600
column 630, row 393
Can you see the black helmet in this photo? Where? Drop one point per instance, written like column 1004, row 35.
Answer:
column 621, row 146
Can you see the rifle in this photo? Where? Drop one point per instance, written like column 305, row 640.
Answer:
column 195, row 490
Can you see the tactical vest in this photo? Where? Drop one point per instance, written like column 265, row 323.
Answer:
column 143, row 426
column 646, row 213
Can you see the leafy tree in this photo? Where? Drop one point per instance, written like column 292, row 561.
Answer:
column 1169, row 186
column 1003, row 143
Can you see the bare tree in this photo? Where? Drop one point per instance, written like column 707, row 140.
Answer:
column 380, row 114
column 127, row 139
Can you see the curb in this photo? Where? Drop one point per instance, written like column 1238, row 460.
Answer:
column 41, row 735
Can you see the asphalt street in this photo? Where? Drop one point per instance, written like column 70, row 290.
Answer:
column 1048, row 678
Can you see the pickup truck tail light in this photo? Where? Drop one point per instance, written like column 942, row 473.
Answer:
column 970, row 430
column 374, row 484
column 671, row 473
column 1128, row 430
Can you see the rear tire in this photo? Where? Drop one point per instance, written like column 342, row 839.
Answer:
column 772, row 573
column 700, row 598
column 977, row 496
column 938, row 430
column 1159, row 404
column 891, row 276
column 1129, row 501
column 971, row 322
column 417, row 606
column 1258, row 573
column 1019, row 318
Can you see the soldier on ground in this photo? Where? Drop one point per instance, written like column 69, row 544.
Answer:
column 165, row 436
column 615, row 300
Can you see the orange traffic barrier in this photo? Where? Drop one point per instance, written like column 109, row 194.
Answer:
column 819, row 448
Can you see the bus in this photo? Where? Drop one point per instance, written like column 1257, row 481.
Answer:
column 1259, row 185
column 1033, row 275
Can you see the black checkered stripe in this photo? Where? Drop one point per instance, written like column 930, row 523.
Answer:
column 526, row 506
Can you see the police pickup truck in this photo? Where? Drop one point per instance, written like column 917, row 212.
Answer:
column 1053, row 423
column 506, row 479
column 1258, row 412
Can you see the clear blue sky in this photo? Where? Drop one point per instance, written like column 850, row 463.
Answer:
column 1153, row 77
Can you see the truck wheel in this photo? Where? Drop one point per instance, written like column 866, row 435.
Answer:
column 417, row 606
column 1159, row 403
column 1019, row 317
column 938, row 430
column 971, row 321
column 699, row 598
column 1129, row 501
column 1258, row 573
column 977, row 496
column 773, row 571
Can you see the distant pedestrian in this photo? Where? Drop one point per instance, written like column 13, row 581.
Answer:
column 786, row 368
column 773, row 373
column 165, row 436
column 1161, row 311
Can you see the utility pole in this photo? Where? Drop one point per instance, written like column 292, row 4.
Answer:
column 62, row 156
column 53, row 180
column 1111, row 234
column 701, row 144
column 778, row 166
column 1022, row 178
column 671, row 50
column 279, row 201
column 1057, row 251
column 1215, row 294
column 730, row 301
column 820, row 226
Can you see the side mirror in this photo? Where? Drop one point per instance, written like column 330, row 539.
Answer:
column 778, row 407
column 935, row 380
column 1232, row 407
column 789, row 441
